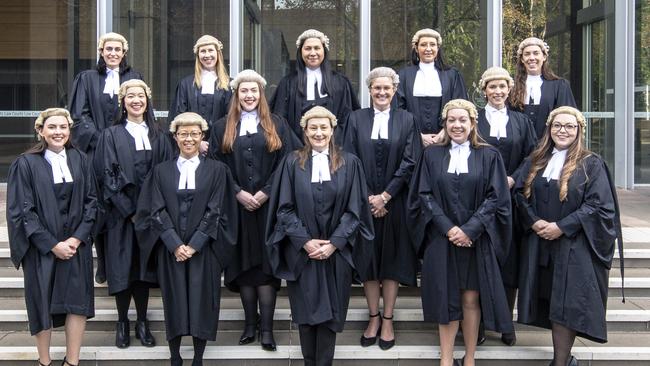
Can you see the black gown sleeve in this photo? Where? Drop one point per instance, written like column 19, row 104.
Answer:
column 84, row 230
column 85, row 133
column 290, row 142
column 458, row 89
column 180, row 102
column 402, row 175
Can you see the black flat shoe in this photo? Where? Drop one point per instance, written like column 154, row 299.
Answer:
column 509, row 339
column 249, row 334
column 66, row 363
column 267, row 341
column 143, row 333
column 481, row 335
column 122, row 334
column 42, row 364
column 383, row 344
column 369, row 341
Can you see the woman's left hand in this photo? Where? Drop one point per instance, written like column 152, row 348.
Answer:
column 458, row 237
column 261, row 197
column 550, row 232
column 324, row 252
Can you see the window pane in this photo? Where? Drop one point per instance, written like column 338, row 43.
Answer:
column 642, row 94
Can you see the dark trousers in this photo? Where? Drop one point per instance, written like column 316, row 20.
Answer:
column 317, row 343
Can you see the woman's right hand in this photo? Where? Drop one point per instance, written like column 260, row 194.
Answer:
column 539, row 225
column 248, row 201
column 314, row 245
column 64, row 251
column 428, row 139
column 182, row 253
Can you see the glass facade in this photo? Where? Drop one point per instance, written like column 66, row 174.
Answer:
column 642, row 94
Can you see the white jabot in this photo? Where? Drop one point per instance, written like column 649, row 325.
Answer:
column 458, row 158
column 314, row 77
column 112, row 86
column 208, row 79
column 555, row 165
column 498, row 119
column 187, row 167
column 427, row 81
column 248, row 121
column 380, row 124
column 320, row 166
column 59, row 163
column 140, row 133
column 533, row 89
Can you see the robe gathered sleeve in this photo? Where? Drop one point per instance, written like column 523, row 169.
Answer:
column 86, row 133
column 412, row 149
column 113, row 180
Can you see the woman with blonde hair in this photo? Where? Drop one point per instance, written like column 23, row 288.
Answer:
column 568, row 208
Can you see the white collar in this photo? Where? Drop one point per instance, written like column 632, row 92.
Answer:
column 208, row 79
column 314, row 77
column 187, row 167
column 498, row 119
column 59, row 163
column 427, row 81
column 380, row 124
column 248, row 122
column 555, row 165
column 112, row 82
column 320, row 168
column 458, row 155
column 140, row 134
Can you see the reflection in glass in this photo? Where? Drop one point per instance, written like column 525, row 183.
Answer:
column 642, row 94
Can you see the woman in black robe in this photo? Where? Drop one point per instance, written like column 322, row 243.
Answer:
column 126, row 152
column 428, row 84
column 537, row 90
column 313, row 83
column 460, row 209
column 94, row 106
column 514, row 136
column 568, row 208
column 206, row 92
column 51, row 209
column 318, row 210
column 187, row 226
column 388, row 144
column 252, row 141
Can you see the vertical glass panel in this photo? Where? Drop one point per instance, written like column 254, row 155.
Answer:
column 462, row 24
column 161, row 34
column 642, row 93
column 43, row 45
column 283, row 21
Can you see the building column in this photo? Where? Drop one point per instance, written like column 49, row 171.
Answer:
column 494, row 32
column 365, row 50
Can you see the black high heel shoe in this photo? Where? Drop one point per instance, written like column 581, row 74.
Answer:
column 42, row 364
column 143, row 333
column 481, row 335
column 369, row 341
column 267, row 341
column 383, row 344
column 249, row 333
column 509, row 339
column 66, row 363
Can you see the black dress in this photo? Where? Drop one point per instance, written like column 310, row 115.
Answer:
column 388, row 164
column 565, row 281
column 338, row 210
column 479, row 203
column 555, row 93
column 427, row 110
column 206, row 219
column 252, row 167
column 39, row 215
column 121, row 170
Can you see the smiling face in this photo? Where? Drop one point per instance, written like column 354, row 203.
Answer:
column 135, row 102
column 496, row 92
column 55, row 132
column 208, row 57
column 313, row 53
column 458, row 125
column 319, row 133
column 188, row 138
column 248, row 94
column 564, row 130
column 427, row 48
column 381, row 92
column 113, row 53
column 533, row 58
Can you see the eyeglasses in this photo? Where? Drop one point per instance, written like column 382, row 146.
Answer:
column 569, row 127
column 183, row 135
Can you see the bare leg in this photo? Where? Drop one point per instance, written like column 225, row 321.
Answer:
column 447, row 338
column 372, row 291
column 75, row 326
column 43, row 346
column 563, row 339
column 471, row 320
column 389, row 290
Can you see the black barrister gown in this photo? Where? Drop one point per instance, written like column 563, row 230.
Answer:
column 565, row 281
column 453, row 87
column 514, row 148
column 204, row 218
column 188, row 98
column 121, row 170
column 555, row 93
column 252, row 167
column 388, row 164
column 338, row 210
column 91, row 109
column 479, row 203
column 290, row 104
column 39, row 215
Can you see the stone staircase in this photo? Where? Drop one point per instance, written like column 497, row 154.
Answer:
column 417, row 342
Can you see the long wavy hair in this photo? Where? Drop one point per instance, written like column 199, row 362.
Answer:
column 335, row 152
column 540, row 157
column 273, row 141
column 325, row 68
column 222, row 73
column 518, row 92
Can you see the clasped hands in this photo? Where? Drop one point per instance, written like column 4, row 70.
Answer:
column 458, row 237
column 251, row 202
column 64, row 250
column 319, row 249
column 377, row 205
column 184, row 252
column 547, row 230
column 429, row 139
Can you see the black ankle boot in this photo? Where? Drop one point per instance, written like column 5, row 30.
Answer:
column 122, row 334
column 143, row 333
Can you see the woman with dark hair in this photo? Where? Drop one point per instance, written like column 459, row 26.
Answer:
column 460, row 206
column 514, row 136
column 94, row 106
column 318, row 213
column 125, row 154
column 537, row 90
column 388, row 144
column 252, row 141
column 428, row 84
column 51, row 209
column 206, row 92
column 313, row 83
column 568, row 207
column 187, row 227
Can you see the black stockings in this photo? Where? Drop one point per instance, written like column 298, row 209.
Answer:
column 139, row 291
column 175, row 351
column 264, row 295
column 563, row 339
